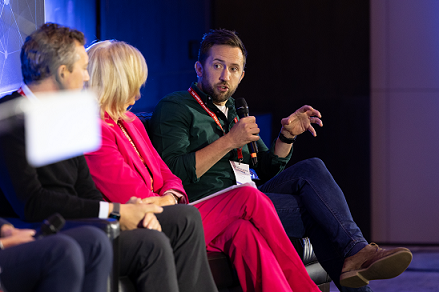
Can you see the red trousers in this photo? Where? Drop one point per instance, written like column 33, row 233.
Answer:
column 244, row 224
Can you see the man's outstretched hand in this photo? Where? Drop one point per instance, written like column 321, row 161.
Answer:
column 300, row 121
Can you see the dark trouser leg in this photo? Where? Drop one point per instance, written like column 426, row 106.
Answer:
column 172, row 260
column 310, row 203
column 55, row 263
column 182, row 224
column 146, row 257
column 98, row 256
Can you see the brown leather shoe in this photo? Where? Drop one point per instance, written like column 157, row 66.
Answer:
column 373, row 263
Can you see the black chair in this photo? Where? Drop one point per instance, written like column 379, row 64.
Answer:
column 222, row 269
column 315, row 270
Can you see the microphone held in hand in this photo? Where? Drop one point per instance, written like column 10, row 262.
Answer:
column 51, row 225
column 242, row 110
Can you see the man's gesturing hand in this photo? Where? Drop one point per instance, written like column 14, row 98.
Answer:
column 300, row 121
column 244, row 132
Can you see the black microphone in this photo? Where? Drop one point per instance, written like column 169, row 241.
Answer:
column 242, row 110
column 51, row 225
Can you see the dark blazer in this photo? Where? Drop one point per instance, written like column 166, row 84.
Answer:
column 34, row 194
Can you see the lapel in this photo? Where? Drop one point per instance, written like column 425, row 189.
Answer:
column 131, row 156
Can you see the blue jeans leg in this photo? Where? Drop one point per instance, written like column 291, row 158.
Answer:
column 310, row 203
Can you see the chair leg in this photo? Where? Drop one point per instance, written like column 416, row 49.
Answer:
column 114, row 275
column 324, row 287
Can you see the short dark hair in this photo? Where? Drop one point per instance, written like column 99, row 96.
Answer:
column 47, row 48
column 219, row 37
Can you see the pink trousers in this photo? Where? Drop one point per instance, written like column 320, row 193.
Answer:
column 244, row 224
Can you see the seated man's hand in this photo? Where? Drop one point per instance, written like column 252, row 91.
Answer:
column 243, row 132
column 136, row 215
column 11, row 236
column 300, row 121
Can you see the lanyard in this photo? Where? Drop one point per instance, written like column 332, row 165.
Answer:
column 20, row 91
column 124, row 130
column 25, row 91
column 214, row 117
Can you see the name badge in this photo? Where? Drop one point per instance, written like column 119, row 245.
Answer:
column 242, row 172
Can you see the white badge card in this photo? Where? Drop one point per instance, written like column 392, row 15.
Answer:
column 242, row 172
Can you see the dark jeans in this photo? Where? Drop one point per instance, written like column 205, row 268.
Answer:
column 75, row 260
column 311, row 204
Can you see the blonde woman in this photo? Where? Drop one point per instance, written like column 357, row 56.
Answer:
column 119, row 167
column 127, row 165
column 120, row 172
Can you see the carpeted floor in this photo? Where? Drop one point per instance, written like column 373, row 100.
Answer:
column 421, row 276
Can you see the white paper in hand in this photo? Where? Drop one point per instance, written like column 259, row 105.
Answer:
column 61, row 125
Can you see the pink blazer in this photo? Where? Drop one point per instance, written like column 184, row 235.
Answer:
column 117, row 169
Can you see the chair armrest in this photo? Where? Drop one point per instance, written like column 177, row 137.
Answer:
column 110, row 226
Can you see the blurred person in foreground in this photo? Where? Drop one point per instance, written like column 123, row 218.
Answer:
column 75, row 260
column 158, row 245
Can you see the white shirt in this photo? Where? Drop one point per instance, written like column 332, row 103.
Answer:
column 223, row 108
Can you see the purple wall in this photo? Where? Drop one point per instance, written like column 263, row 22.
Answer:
column 404, row 103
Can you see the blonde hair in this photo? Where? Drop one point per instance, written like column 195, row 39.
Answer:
column 117, row 72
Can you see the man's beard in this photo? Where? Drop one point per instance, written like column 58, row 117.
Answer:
column 217, row 98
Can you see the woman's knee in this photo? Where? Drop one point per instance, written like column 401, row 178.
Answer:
column 249, row 193
column 252, row 196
